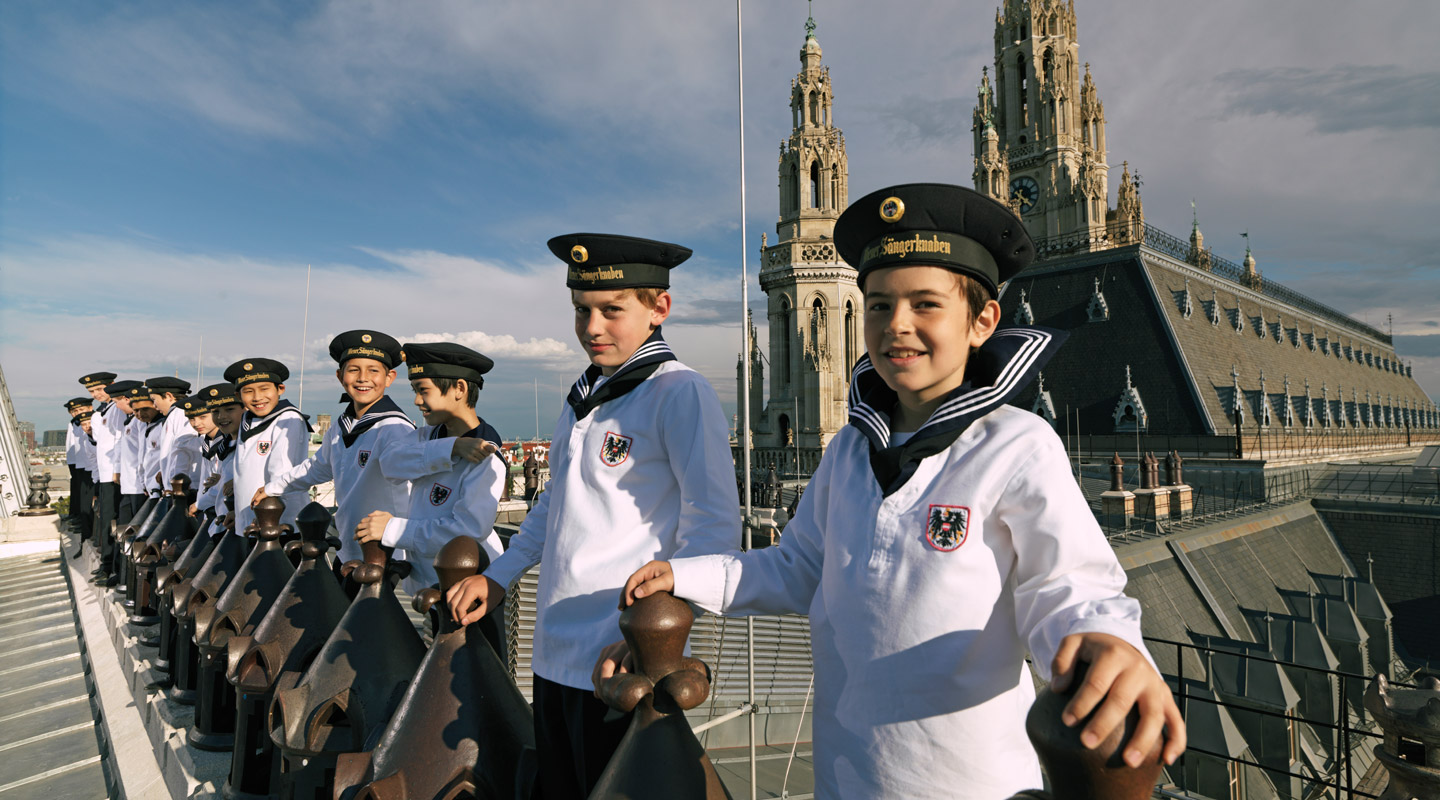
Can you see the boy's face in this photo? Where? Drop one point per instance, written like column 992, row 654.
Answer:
column 611, row 325
column 164, row 402
column 918, row 330
column 203, row 424
column 98, row 393
column 260, row 397
column 85, row 425
column 124, row 404
column 144, row 410
column 77, row 410
column 227, row 418
column 436, row 406
column 365, row 380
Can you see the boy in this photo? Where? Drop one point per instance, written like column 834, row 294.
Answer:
column 273, row 436
column 179, row 445
column 641, row 469
column 197, row 414
column 106, row 472
column 151, row 426
column 455, row 485
column 942, row 534
column 215, row 500
column 75, row 440
column 370, row 422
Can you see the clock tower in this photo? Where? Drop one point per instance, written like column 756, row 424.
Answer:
column 1040, row 127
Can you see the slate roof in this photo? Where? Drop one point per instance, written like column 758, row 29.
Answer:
column 1182, row 364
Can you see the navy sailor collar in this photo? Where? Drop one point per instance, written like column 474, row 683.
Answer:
column 584, row 397
column 352, row 426
column 218, row 446
column 482, row 431
column 251, row 425
column 997, row 371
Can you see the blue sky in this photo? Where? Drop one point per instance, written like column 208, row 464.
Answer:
column 169, row 170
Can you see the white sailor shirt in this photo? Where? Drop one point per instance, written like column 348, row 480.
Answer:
column 85, row 456
column 449, row 497
column 179, row 449
column 73, row 435
column 107, row 428
column 266, row 455
column 646, row 475
column 132, row 454
column 153, row 454
column 923, row 605
column 360, row 486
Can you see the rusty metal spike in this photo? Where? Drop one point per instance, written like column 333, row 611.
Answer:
column 659, row 756
column 462, row 723
column 347, row 695
column 1077, row 772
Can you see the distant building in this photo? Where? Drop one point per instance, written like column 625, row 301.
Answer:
column 53, row 439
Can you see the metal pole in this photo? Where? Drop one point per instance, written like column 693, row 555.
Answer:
column 200, row 365
column 304, row 334
column 745, row 378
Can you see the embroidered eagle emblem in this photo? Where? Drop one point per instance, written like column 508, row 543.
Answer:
column 615, row 449
column 947, row 526
column 262, row 448
column 439, row 493
column 363, row 457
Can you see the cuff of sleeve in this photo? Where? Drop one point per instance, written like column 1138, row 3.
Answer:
column 394, row 530
column 274, row 489
column 1118, row 627
column 437, row 454
column 505, row 569
column 701, row 580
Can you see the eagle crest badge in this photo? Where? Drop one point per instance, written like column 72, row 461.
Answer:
column 947, row 526
column 439, row 493
column 262, row 447
column 363, row 458
column 615, row 449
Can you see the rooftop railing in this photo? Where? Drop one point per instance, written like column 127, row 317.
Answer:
column 1122, row 235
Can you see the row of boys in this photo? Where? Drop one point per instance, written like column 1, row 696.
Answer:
column 940, row 540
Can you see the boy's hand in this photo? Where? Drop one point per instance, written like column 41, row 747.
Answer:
column 472, row 450
column 192, row 510
column 1120, row 677
column 372, row 527
column 259, row 495
column 229, row 489
column 479, row 591
column 614, row 659
column 212, row 480
column 649, row 579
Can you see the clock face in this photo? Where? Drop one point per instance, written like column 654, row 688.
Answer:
column 1027, row 191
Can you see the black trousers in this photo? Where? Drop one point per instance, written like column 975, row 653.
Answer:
column 129, row 504
column 74, row 493
column 574, row 740
column 107, row 505
column 82, row 504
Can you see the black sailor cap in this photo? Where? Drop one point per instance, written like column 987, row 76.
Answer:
column 605, row 261
column 445, row 360
column 365, row 344
column 256, row 370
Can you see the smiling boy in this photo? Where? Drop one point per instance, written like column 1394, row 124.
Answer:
column 216, row 498
column 453, row 480
column 273, row 436
column 179, row 451
column 641, row 469
column 942, row 536
column 366, row 362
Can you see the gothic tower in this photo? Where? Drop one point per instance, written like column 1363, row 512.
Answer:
column 814, row 305
column 1044, row 122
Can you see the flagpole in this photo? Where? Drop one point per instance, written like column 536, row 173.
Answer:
column 304, row 334
column 200, row 365
column 745, row 443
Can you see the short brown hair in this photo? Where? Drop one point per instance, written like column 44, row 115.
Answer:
column 472, row 388
column 647, row 295
column 976, row 294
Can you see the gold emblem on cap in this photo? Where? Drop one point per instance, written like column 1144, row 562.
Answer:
column 579, row 254
column 402, row 356
column 214, row 392
column 365, row 337
column 892, row 209
column 247, row 366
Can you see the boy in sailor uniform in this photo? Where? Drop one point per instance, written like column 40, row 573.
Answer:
column 152, row 439
column 107, row 423
column 207, row 467
column 942, row 536
column 80, row 454
column 215, row 499
column 273, row 436
column 641, row 469
column 179, row 444
column 132, row 454
column 352, row 447
column 454, row 483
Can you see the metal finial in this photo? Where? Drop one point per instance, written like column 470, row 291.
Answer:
column 810, row 23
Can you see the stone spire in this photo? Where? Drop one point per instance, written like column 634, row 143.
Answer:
column 1251, row 276
column 813, row 170
column 1199, row 254
column 992, row 170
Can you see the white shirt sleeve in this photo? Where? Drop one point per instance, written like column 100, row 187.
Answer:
column 409, row 458
column 1067, row 579
column 781, row 579
column 313, row 471
column 697, row 441
column 289, row 445
column 473, row 515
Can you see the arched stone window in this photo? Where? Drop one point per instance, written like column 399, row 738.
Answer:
column 850, row 354
column 815, row 183
column 786, row 333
